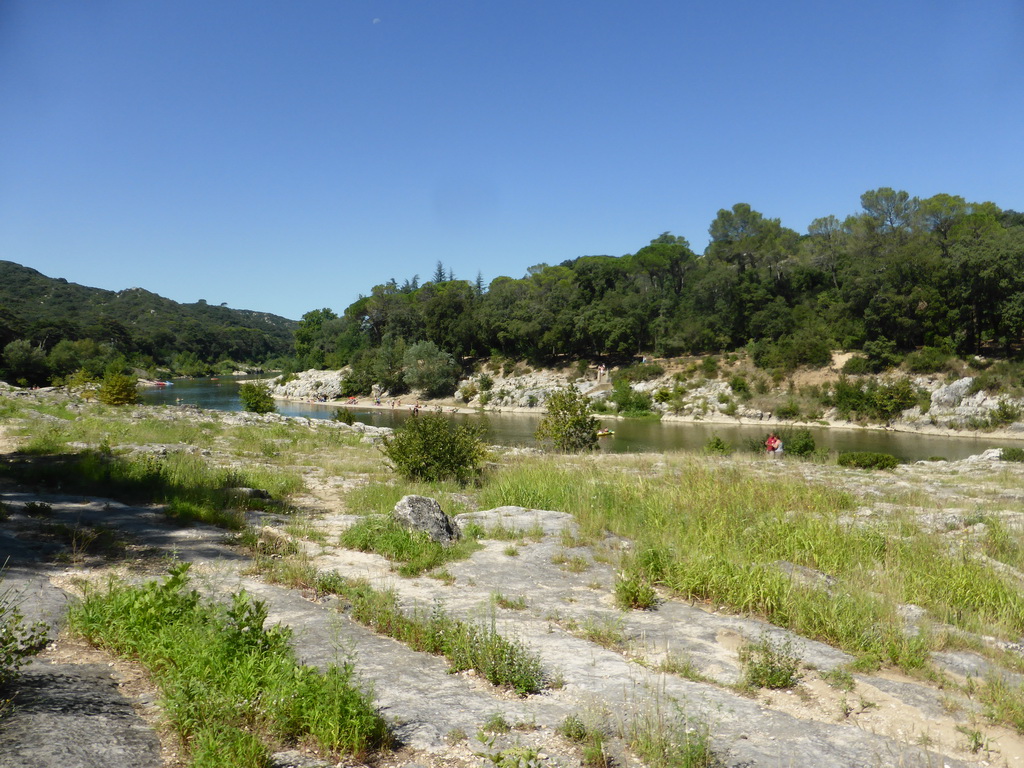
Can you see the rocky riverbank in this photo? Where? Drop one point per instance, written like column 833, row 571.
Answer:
column 949, row 408
column 77, row 707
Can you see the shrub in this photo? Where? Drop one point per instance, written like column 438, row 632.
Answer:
column 430, row 370
column 431, row 447
column 857, row 366
column 18, row 640
column 1013, row 454
column 344, row 415
column 568, row 424
column 634, row 592
column 928, row 360
column 769, row 664
column 867, row 460
column 256, row 397
column 628, row 400
column 740, row 386
column 638, row 372
column 118, row 389
column 716, row 446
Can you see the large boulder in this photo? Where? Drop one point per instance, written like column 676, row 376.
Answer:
column 422, row 513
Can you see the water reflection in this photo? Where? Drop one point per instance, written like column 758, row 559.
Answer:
column 630, row 435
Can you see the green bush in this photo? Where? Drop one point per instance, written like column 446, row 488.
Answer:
column 628, row 401
column 928, row 360
column 867, row 460
column 633, row 591
column 716, row 446
column 768, row 664
column 431, row 447
column 568, row 423
column 638, row 372
column 118, row 389
column 1013, row 454
column 430, row 370
column 256, row 397
column 857, row 366
column 18, row 640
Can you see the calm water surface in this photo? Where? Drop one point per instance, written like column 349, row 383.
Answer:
column 631, row 435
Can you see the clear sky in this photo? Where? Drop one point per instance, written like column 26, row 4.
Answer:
column 289, row 155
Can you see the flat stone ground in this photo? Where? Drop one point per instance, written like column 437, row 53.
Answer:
column 75, row 707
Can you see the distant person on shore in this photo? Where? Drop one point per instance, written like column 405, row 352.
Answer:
column 773, row 445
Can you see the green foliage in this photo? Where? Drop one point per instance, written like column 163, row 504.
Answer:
column 1012, row 454
column 629, row 401
column 716, row 446
column 882, row 401
column 256, row 397
column 118, row 389
column 501, row 661
column 568, row 424
column 18, row 639
column 928, row 360
column 638, row 372
column 415, row 551
column 797, row 442
column 431, row 447
column 770, row 664
column 430, row 370
column 231, row 687
column 634, row 592
column 867, row 460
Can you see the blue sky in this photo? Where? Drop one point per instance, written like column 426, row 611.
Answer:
column 287, row 156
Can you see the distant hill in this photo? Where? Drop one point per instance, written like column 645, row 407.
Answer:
column 46, row 310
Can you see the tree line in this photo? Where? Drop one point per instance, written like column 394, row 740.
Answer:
column 903, row 273
column 51, row 329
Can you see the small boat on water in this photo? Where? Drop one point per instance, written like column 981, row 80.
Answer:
column 605, row 432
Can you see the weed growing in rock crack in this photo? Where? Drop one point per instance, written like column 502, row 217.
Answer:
column 681, row 665
column 512, row 551
column 496, row 723
column 839, row 679
column 413, row 550
column 509, row 603
column 500, row 660
column 634, row 592
column 513, row 757
column 254, row 692
column 667, row 738
column 770, row 664
column 608, row 632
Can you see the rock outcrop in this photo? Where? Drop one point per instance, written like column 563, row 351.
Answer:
column 422, row 513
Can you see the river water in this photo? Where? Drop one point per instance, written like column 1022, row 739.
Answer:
column 631, row 435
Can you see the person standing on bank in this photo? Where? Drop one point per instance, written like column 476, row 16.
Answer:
column 773, row 445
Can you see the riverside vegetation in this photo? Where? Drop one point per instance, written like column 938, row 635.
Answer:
column 895, row 574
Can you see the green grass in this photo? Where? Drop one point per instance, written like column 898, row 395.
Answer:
column 714, row 532
column 412, row 550
column 192, row 489
column 230, row 688
column 499, row 660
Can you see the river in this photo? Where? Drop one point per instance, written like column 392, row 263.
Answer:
column 631, row 435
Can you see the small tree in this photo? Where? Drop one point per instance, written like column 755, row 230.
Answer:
column 118, row 389
column 568, row 424
column 431, row 370
column 431, row 447
column 256, row 397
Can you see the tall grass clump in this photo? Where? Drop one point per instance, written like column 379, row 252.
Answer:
column 231, row 689
column 722, row 534
column 501, row 661
column 414, row 550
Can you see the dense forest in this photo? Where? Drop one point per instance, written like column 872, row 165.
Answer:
column 50, row 328
column 901, row 274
